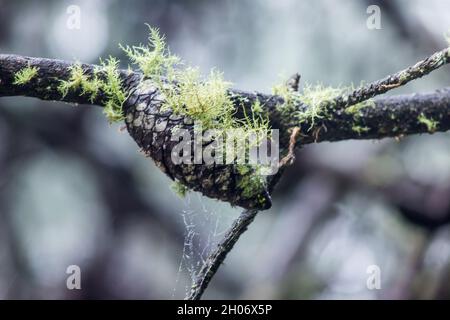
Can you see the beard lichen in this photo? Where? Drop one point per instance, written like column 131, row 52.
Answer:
column 154, row 60
column 205, row 100
column 179, row 189
column 112, row 87
column 187, row 93
column 309, row 105
column 251, row 183
column 105, row 79
column 25, row 75
column 429, row 123
column 316, row 102
column 78, row 80
column 360, row 129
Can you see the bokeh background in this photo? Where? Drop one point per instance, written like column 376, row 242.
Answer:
column 75, row 191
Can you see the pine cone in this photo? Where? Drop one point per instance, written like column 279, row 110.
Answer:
column 151, row 128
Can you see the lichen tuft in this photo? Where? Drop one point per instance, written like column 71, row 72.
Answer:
column 154, row 59
column 360, row 129
column 179, row 188
column 25, row 75
column 105, row 79
column 314, row 102
column 429, row 123
column 251, row 181
column 112, row 87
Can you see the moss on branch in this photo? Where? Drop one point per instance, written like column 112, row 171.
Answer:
column 25, row 75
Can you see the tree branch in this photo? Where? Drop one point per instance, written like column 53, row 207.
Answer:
column 386, row 117
column 218, row 255
column 398, row 79
column 393, row 116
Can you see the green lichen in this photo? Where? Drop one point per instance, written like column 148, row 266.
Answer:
column 186, row 92
column 109, row 84
column 251, row 182
column 429, row 123
column 92, row 87
column 179, row 188
column 360, row 129
column 404, row 75
column 25, row 75
column 318, row 101
column 206, row 100
column 447, row 37
column 257, row 107
column 315, row 97
column 290, row 99
column 355, row 110
column 78, row 80
column 112, row 87
column 154, row 59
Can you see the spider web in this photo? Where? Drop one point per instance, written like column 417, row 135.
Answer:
column 203, row 230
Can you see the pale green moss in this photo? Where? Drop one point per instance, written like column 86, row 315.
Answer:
column 154, row 60
column 318, row 99
column 78, row 80
column 290, row 99
column 429, row 123
column 257, row 107
column 355, row 110
column 91, row 86
column 187, row 93
column 25, row 75
column 75, row 81
column 112, row 87
column 360, row 129
column 203, row 100
column 251, row 183
column 179, row 188
column 207, row 100
column 257, row 123
column 312, row 96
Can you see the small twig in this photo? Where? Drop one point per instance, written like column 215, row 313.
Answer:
column 217, row 256
column 290, row 157
column 294, row 82
column 393, row 81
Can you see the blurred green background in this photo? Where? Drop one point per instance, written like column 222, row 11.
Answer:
column 75, row 191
